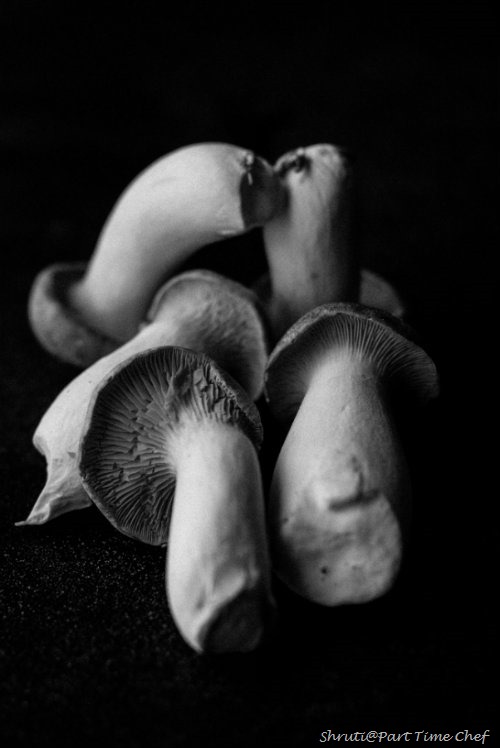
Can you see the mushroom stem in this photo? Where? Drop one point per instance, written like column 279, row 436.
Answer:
column 308, row 244
column 217, row 577
column 188, row 199
column 185, row 312
column 340, row 492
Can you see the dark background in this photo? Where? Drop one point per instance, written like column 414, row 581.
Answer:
column 87, row 99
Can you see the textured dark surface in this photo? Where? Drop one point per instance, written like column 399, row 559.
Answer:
column 89, row 653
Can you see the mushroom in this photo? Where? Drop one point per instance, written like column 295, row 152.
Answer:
column 169, row 431
column 308, row 243
column 340, row 492
column 191, row 197
column 197, row 309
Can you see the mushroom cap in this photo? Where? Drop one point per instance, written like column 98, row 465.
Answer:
column 380, row 338
column 221, row 317
column 57, row 327
column 131, row 424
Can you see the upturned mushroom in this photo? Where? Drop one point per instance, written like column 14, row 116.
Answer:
column 197, row 309
column 169, row 432
column 309, row 246
column 191, row 197
column 340, row 492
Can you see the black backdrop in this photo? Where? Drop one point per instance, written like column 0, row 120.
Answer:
column 87, row 99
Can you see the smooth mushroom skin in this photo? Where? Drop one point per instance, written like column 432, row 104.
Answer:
column 309, row 245
column 198, row 309
column 168, row 427
column 374, row 291
column 340, row 493
column 191, row 197
column 218, row 569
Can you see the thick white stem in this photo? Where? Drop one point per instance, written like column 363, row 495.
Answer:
column 217, row 559
column 308, row 244
column 340, row 490
column 186, row 200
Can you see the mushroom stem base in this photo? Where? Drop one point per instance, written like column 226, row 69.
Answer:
column 217, row 560
column 340, row 490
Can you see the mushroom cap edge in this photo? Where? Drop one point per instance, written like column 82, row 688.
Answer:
column 256, row 317
column 300, row 337
column 251, row 424
column 59, row 329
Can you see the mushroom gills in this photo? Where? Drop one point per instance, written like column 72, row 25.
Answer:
column 169, row 457
column 133, row 422
column 198, row 309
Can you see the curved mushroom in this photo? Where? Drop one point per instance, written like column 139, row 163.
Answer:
column 308, row 242
column 191, row 197
column 168, row 431
column 198, row 309
column 340, row 492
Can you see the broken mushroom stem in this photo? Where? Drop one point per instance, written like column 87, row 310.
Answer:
column 198, row 309
column 309, row 243
column 341, row 491
column 168, row 454
column 190, row 198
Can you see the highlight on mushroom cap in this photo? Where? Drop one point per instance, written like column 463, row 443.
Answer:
column 381, row 339
column 222, row 315
column 132, row 424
